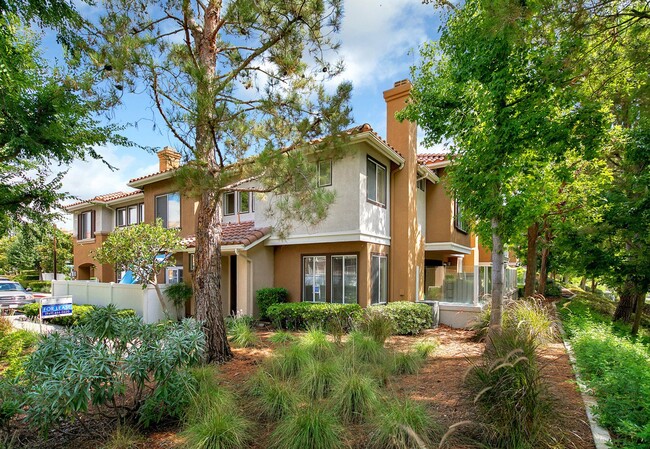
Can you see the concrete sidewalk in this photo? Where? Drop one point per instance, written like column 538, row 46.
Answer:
column 22, row 322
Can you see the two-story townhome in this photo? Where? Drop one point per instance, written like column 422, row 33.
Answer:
column 392, row 233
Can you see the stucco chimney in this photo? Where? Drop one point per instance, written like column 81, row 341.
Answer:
column 407, row 249
column 168, row 158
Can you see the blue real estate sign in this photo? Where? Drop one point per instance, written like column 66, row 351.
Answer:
column 55, row 307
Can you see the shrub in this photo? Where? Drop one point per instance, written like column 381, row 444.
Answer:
column 15, row 347
column 38, row 286
column 355, row 396
column 377, row 324
column 409, row 318
column 304, row 315
column 115, row 366
column 311, row 427
column 266, row 297
column 243, row 335
column 30, row 310
column 10, row 400
column 80, row 313
column 282, row 337
column 516, row 408
column 179, row 294
column 5, row 326
column 401, row 425
column 553, row 290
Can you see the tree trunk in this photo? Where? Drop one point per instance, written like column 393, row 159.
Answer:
column 531, row 260
column 583, row 283
column 207, row 278
column 207, row 274
column 593, row 285
column 565, row 278
column 161, row 299
column 543, row 271
column 638, row 313
column 626, row 302
column 496, row 316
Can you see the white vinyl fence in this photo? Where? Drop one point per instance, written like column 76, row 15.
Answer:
column 124, row 296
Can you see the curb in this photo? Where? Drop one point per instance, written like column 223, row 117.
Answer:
column 601, row 435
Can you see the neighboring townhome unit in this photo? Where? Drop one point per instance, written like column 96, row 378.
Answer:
column 392, row 233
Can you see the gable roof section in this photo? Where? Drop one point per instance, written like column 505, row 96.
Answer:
column 359, row 131
column 434, row 160
column 234, row 234
column 102, row 199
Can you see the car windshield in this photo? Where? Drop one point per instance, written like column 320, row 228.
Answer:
column 11, row 286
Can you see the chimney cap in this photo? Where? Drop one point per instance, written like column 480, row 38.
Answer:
column 402, row 82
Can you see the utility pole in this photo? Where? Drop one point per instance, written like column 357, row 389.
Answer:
column 54, row 255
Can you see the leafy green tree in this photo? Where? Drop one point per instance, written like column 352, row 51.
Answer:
column 46, row 118
column 46, row 250
column 232, row 80
column 144, row 249
column 494, row 85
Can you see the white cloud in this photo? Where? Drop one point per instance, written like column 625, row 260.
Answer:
column 381, row 40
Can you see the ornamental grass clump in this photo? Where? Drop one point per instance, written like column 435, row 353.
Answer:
column 311, row 426
column 277, row 398
column 401, row 424
column 219, row 429
column 355, row 397
column 242, row 334
column 376, row 324
column 406, row 362
column 282, row 337
column 361, row 348
column 318, row 377
column 424, row 348
column 316, row 343
column 288, row 361
column 516, row 408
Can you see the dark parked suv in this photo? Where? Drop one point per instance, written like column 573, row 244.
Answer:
column 13, row 295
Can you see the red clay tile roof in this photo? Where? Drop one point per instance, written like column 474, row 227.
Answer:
column 351, row 131
column 105, row 198
column 243, row 233
column 431, row 158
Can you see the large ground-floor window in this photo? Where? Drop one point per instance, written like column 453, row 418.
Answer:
column 379, row 273
column 330, row 278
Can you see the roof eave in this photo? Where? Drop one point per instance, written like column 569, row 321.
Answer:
column 440, row 164
column 377, row 144
column 138, row 183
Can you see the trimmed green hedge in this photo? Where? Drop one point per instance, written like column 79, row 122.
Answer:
column 302, row 315
column 79, row 314
column 38, row 286
column 409, row 318
column 266, row 297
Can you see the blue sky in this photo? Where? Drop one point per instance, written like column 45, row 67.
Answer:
column 379, row 43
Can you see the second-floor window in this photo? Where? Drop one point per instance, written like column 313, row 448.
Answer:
column 245, row 202
column 238, row 202
column 168, row 209
column 130, row 215
column 86, row 225
column 325, row 173
column 460, row 221
column 229, row 203
column 376, row 176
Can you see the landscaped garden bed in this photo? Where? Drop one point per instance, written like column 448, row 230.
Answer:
column 352, row 385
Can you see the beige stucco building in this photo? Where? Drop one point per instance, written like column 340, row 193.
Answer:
column 392, row 234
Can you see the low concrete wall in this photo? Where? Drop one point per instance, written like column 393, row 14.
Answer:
column 124, row 296
column 459, row 316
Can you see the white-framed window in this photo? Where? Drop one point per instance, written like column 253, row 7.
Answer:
column 132, row 214
column 173, row 275
column 229, row 203
column 168, row 209
column 86, row 225
column 190, row 262
column 325, row 173
column 244, row 202
column 344, row 279
column 120, row 217
column 314, row 278
column 141, row 213
column 376, row 177
column 379, row 279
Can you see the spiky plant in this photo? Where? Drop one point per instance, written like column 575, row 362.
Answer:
column 277, row 398
column 424, row 348
column 123, row 437
column 401, row 424
column 243, row 335
column 219, row 429
column 377, row 324
column 289, row 361
column 406, row 362
column 355, row 396
column 362, row 348
column 282, row 337
column 312, row 427
column 318, row 378
column 315, row 341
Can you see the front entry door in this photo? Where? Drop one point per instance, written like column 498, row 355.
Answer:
column 233, row 285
